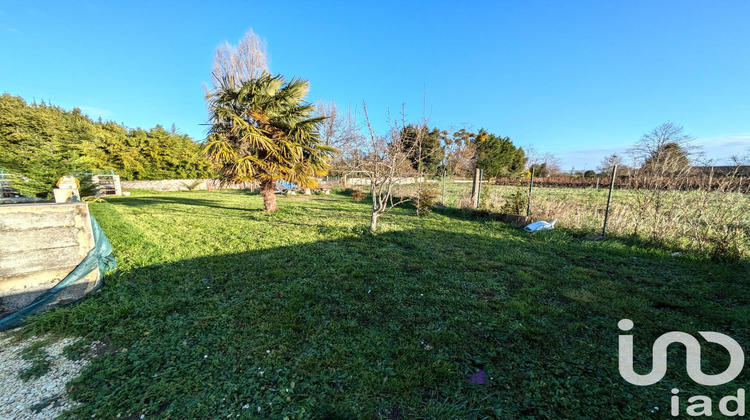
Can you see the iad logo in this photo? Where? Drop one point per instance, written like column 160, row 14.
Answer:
column 701, row 405
column 692, row 364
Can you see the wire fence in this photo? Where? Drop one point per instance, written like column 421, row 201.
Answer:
column 707, row 213
column 742, row 183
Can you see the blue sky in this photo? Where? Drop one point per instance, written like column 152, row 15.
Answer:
column 581, row 79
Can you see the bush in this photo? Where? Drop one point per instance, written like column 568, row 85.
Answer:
column 357, row 194
column 730, row 244
column 426, row 198
column 516, row 203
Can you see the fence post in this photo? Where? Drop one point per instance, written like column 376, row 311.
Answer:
column 443, row 196
column 597, row 183
column 528, row 202
column 609, row 200
column 479, row 187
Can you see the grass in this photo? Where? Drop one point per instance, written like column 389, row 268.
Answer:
column 39, row 361
column 698, row 221
column 220, row 310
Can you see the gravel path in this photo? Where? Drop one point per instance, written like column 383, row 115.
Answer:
column 38, row 398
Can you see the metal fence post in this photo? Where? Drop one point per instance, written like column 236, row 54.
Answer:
column 528, row 202
column 609, row 200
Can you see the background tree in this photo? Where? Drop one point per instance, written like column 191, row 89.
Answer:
column 539, row 169
column 664, row 155
column 462, row 156
column 664, row 151
column 670, row 158
column 544, row 164
column 339, row 130
column 517, row 165
column 494, row 153
column 609, row 162
column 425, row 149
column 263, row 131
column 239, row 63
column 552, row 163
column 337, row 127
column 41, row 142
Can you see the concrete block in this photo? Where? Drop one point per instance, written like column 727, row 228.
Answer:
column 39, row 245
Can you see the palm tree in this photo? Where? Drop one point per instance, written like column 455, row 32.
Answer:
column 262, row 130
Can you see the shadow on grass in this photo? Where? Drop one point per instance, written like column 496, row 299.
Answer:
column 144, row 201
column 393, row 325
column 174, row 201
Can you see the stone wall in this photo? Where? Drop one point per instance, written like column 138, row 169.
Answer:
column 366, row 181
column 39, row 245
column 183, row 185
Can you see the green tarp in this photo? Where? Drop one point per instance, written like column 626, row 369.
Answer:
column 100, row 257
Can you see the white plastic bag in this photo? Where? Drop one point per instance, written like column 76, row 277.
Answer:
column 540, row 226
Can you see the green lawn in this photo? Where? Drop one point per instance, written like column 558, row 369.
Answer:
column 219, row 310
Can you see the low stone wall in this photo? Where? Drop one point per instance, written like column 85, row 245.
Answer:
column 164, row 185
column 366, row 181
column 39, row 245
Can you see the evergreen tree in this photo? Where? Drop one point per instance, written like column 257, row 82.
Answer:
column 40, row 143
column 425, row 149
column 494, row 153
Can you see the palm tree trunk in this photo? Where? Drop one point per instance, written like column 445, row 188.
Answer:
column 267, row 188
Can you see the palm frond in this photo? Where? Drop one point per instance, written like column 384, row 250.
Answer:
column 263, row 129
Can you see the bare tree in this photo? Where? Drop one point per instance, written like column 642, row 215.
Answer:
column 246, row 61
column 665, row 151
column 554, row 164
column 609, row 162
column 738, row 161
column 548, row 162
column 340, row 130
column 384, row 161
column 661, row 159
column 339, row 127
column 532, row 155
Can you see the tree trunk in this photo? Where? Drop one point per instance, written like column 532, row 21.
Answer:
column 267, row 190
column 374, row 221
column 475, row 188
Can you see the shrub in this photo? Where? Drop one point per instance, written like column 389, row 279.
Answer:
column 516, row 203
column 357, row 194
column 426, row 198
column 730, row 243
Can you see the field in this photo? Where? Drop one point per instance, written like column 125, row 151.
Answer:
column 219, row 310
column 696, row 221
